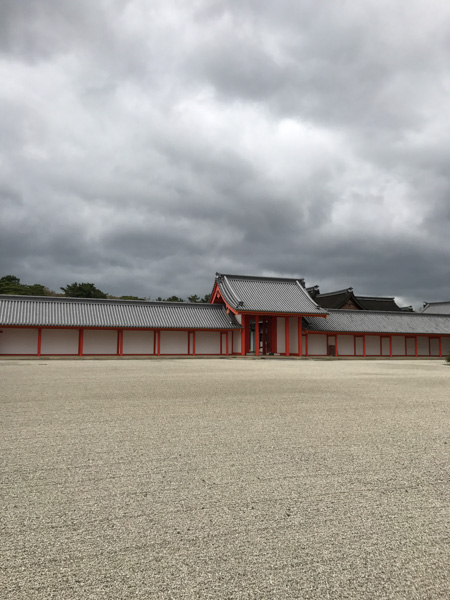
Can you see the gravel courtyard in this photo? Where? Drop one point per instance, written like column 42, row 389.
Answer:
column 224, row 479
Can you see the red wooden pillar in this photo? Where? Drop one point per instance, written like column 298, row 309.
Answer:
column 80, row 342
column 274, row 321
column 440, row 346
column 415, row 346
column 243, row 335
column 120, row 342
column 300, row 337
column 263, row 335
column 39, row 342
column 159, row 342
column 154, row 342
column 256, row 335
column 390, row 346
column 286, row 334
column 227, row 347
column 193, row 343
column 364, row 345
column 336, row 345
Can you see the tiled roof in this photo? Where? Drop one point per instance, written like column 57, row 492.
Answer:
column 378, row 303
column 337, row 299
column 438, row 308
column 83, row 312
column 359, row 321
column 267, row 294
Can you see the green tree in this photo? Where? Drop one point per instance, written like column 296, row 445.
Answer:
column 83, row 290
column 194, row 298
column 10, row 284
column 174, row 299
column 206, row 298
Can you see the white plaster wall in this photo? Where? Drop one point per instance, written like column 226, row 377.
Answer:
column 174, row 342
column 293, row 335
column 410, row 347
column 423, row 348
column 100, row 341
column 18, row 341
column 281, row 349
column 434, row 347
column 385, row 346
column 59, row 341
column 238, row 319
column 208, row 342
column 346, row 345
column 372, row 345
column 398, row 345
column 138, row 342
column 359, row 345
column 237, row 341
column 317, row 344
column 445, row 344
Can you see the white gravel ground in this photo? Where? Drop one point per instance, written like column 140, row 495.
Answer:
column 224, row 479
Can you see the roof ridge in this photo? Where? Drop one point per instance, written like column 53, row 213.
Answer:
column 258, row 277
column 350, row 289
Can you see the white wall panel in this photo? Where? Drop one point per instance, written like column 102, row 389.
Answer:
column 237, row 341
column 359, row 341
column 317, row 344
column 346, row 345
column 445, row 346
column 59, row 341
column 208, row 342
column 410, row 347
column 293, row 335
column 434, row 347
column 174, row 342
column 398, row 345
column 138, row 342
column 373, row 345
column 100, row 341
column 281, row 348
column 385, row 346
column 423, row 347
column 18, row 341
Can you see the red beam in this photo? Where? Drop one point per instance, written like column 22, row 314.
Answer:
column 80, row 343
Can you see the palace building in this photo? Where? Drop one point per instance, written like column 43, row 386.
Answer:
column 246, row 315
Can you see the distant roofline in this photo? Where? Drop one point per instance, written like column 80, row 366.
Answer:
column 345, row 290
column 376, row 297
column 368, row 313
column 434, row 303
column 257, row 277
column 108, row 300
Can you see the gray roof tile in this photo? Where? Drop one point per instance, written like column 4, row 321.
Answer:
column 267, row 294
column 358, row 321
column 83, row 312
column 438, row 308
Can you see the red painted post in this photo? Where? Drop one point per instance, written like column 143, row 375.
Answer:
column 243, row 335
column 256, row 335
column 193, row 343
column 364, row 345
column 80, row 342
column 286, row 335
column 39, row 342
column 120, row 342
column 154, row 342
column 227, row 347
column 336, row 345
column 354, row 345
column 300, row 337
column 390, row 346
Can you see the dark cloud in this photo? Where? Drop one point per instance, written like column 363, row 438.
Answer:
column 146, row 145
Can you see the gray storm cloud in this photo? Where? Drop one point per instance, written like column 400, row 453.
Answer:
column 143, row 146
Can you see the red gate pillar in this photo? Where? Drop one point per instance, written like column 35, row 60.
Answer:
column 364, row 345
column 243, row 335
column 39, row 342
column 256, row 335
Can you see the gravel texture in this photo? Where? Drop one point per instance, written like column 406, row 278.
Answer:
column 224, row 479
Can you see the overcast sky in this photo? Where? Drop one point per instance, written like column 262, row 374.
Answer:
column 146, row 145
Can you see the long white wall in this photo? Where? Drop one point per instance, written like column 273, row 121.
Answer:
column 18, row 341
column 317, row 344
column 208, row 342
column 174, row 342
column 59, row 341
column 346, row 345
column 97, row 341
column 138, row 342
